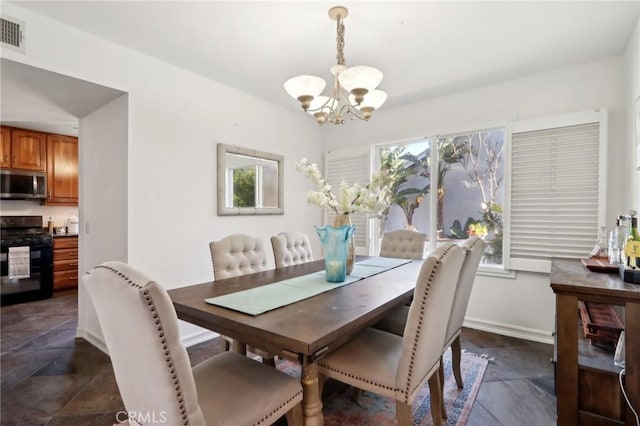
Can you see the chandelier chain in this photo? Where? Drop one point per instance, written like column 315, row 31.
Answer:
column 340, row 42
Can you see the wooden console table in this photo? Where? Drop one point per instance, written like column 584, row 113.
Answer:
column 587, row 381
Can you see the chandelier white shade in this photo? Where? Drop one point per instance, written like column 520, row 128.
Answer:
column 303, row 87
column 354, row 89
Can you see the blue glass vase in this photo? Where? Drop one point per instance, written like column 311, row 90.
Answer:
column 334, row 245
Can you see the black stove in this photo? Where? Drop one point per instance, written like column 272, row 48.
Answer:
column 23, row 231
column 25, row 234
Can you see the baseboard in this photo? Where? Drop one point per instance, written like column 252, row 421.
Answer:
column 198, row 337
column 509, row 330
column 92, row 338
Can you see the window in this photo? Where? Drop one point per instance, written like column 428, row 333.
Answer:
column 557, row 188
column 471, row 189
column 464, row 191
column 532, row 190
column 410, row 163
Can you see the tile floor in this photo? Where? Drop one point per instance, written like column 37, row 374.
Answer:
column 48, row 377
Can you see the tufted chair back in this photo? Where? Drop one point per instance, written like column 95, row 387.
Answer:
column 428, row 315
column 140, row 329
column 291, row 248
column 473, row 248
column 236, row 255
column 403, row 243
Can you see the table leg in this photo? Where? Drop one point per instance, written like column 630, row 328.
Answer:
column 311, row 398
column 567, row 362
column 632, row 358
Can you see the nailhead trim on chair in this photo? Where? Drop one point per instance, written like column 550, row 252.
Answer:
column 420, row 320
column 353, row 376
column 275, row 410
column 161, row 335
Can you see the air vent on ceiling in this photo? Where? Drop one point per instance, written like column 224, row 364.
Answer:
column 12, row 33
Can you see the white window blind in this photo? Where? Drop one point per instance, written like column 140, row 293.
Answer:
column 352, row 165
column 556, row 194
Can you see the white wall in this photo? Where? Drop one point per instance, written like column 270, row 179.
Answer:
column 103, row 194
column 175, row 120
column 524, row 306
column 632, row 93
column 59, row 214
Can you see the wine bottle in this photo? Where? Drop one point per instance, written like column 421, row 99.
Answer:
column 632, row 246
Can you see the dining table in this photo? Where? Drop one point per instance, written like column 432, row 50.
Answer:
column 303, row 331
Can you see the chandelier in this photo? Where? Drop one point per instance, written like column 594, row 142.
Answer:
column 354, row 89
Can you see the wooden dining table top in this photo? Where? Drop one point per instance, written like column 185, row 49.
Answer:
column 308, row 328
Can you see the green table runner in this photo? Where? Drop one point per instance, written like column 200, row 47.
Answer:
column 262, row 299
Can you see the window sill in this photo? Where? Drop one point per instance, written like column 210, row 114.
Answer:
column 496, row 271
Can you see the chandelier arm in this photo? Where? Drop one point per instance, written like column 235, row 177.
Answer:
column 347, row 108
column 321, row 107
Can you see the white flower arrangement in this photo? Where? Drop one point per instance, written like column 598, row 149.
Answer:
column 372, row 198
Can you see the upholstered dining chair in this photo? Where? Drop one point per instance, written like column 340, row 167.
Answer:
column 395, row 322
column 152, row 368
column 403, row 243
column 291, row 248
column 398, row 367
column 236, row 255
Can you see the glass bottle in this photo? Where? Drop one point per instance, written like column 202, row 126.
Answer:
column 632, row 246
column 600, row 251
column 617, row 239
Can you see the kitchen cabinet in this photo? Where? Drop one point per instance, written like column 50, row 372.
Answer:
column 588, row 392
column 24, row 149
column 62, row 170
column 5, row 147
column 65, row 262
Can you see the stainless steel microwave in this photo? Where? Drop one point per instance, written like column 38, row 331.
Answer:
column 22, row 185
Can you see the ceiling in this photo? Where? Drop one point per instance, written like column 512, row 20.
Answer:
column 424, row 48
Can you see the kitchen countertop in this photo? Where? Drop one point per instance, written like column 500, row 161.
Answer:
column 63, row 235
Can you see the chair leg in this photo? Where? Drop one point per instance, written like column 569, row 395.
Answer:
column 355, row 394
column 294, row 416
column 269, row 360
column 321, row 380
column 443, row 409
column 456, row 355
column 226, row 345
column 436, row 397
column 403, row 413
column 239, row 347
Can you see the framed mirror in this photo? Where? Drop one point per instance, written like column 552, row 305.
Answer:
column 250, row 182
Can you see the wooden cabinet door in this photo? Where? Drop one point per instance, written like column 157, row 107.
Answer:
column 62, row 170
column 65, row 263
column 28, row 150
column 5, row 147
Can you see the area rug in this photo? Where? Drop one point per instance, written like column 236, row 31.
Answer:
column 339, row 409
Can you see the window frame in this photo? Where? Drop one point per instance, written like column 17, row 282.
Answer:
column 483, row 269
column 510, row 126
column 598, row 115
